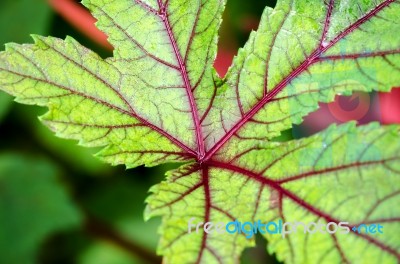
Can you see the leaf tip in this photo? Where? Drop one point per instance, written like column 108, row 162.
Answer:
column 147, row 213
column 39, row 41
column 36, row 38
column 69, row 39
column 11, row 46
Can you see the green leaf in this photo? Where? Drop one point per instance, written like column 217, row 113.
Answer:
column 159, row 100
column 179, row 35
column 143, row 120
column 88, row 100
column 344, row 174
column 303, row 54
column 33, row 205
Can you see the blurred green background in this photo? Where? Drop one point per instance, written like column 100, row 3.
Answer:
column 58, row 204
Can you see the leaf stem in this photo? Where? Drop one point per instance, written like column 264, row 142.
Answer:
column 102, row 230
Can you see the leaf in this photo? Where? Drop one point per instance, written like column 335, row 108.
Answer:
column 285, row 70
column 78, row 82
column 159, row 100
column 329, row 177
column 33, row 205
column 142, row 120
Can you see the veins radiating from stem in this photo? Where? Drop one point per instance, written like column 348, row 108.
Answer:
column 330, row 5
column 163, row 13
column 312, row 59
column 295, row 198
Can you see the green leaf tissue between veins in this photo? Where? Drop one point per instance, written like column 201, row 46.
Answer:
column 157, row 101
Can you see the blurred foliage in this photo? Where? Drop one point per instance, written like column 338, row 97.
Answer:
column 19, row 18
column 5, row 102
column 33, row 204
column 16, row 24
column 66, row 206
